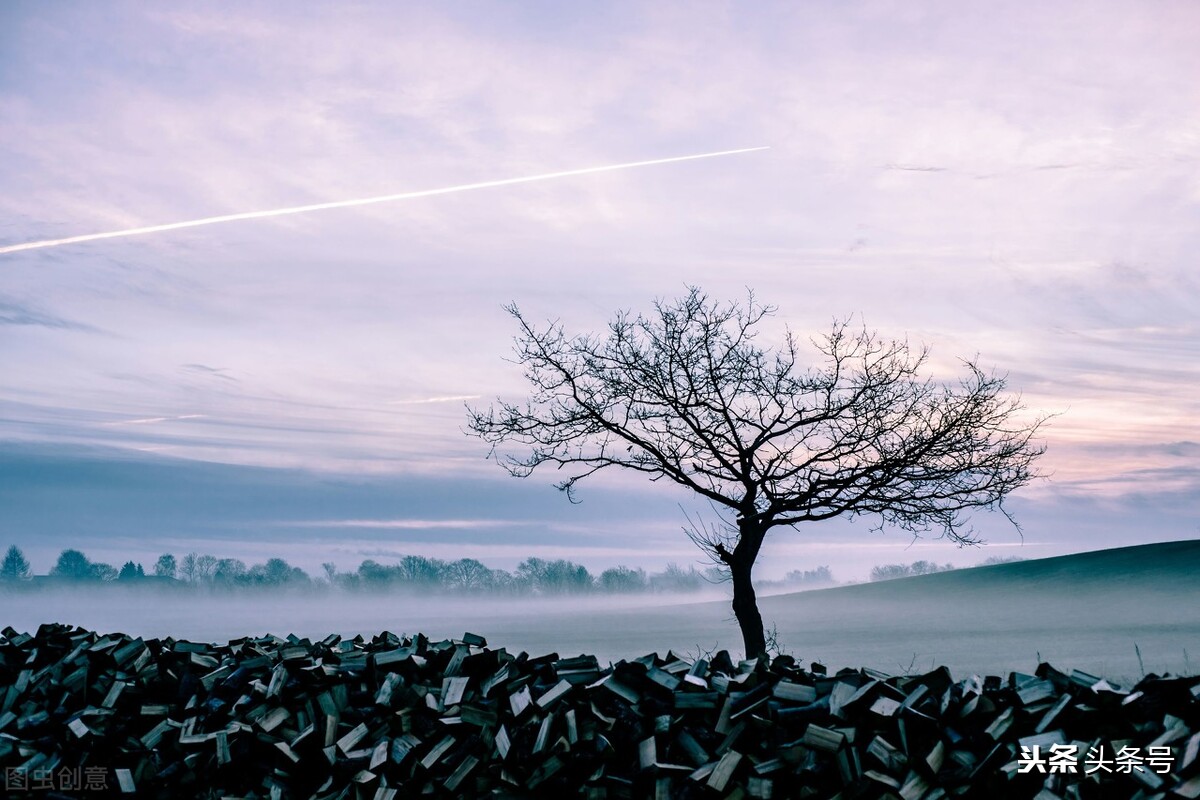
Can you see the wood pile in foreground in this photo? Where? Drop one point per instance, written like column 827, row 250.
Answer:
column 88, row 715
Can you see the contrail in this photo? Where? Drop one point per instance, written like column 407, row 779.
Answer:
column 152, row 420
column 446, row 399
column 387, row 198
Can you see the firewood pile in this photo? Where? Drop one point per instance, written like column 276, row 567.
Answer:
column 86, row 715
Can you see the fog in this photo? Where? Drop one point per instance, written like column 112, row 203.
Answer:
column 986, row 621
column 540, row 624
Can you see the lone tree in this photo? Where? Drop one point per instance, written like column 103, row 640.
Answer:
column 689, row 395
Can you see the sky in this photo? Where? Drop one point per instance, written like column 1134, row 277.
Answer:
column 1014, row 182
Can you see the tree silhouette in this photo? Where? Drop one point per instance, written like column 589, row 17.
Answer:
column 688, row 394
column 623, row 579
column 74, row 565
column 130, row 572
column 165, row 566
column 229, row 571
column 104, row 572
column 206, row 567
column 15, row 567
column 468, row 574
column 554, row 577
column 275, row 572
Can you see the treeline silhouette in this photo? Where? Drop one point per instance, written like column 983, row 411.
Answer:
column 533, row 576
column 887, row 572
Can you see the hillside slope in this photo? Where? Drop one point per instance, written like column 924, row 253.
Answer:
column 1158, row 568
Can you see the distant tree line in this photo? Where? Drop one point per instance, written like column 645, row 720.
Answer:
column 533, row 576
column 992, row 561
column 807, row 578
column 887, row 572
column 74, row 566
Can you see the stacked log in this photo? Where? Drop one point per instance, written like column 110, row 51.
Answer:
column 84, row 714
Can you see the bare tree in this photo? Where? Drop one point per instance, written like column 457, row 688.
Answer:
column 187, row 567
column 467, row 574
column 206, row 565
column 688, row 394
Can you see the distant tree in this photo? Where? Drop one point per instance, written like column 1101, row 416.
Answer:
column 130, row 572
column 623, row 579
column 677, row 579
column 991, row 561
column 571, row 577
column 887, row 572
column 229, row 571
column 504, row 582
column 554, row 577
column 687, row 394
column 14, row 567
column 187, row 567
column 73, row 565
column 165, row 566
column 104, row 572
column 529, row 574
column 276, row 572
column 420, row 571
column 206, row 567
column 821, row 576
column 716, row 573
column 271, row 573
column 372, row 573
column 467, row 575
column 330, row 572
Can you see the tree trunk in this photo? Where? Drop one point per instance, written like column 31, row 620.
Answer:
column 745, row 603
column 745, row 608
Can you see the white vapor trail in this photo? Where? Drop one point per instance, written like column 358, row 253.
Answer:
column 152, row 420
column 447, row 399
column 387, row 198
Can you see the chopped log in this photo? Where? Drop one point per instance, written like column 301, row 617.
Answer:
column 349, row 718
column 723, row 771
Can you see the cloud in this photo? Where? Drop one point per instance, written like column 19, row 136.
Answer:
column 403, row 524
column 1070, row 268
column 214, row 372
column 13, row 313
